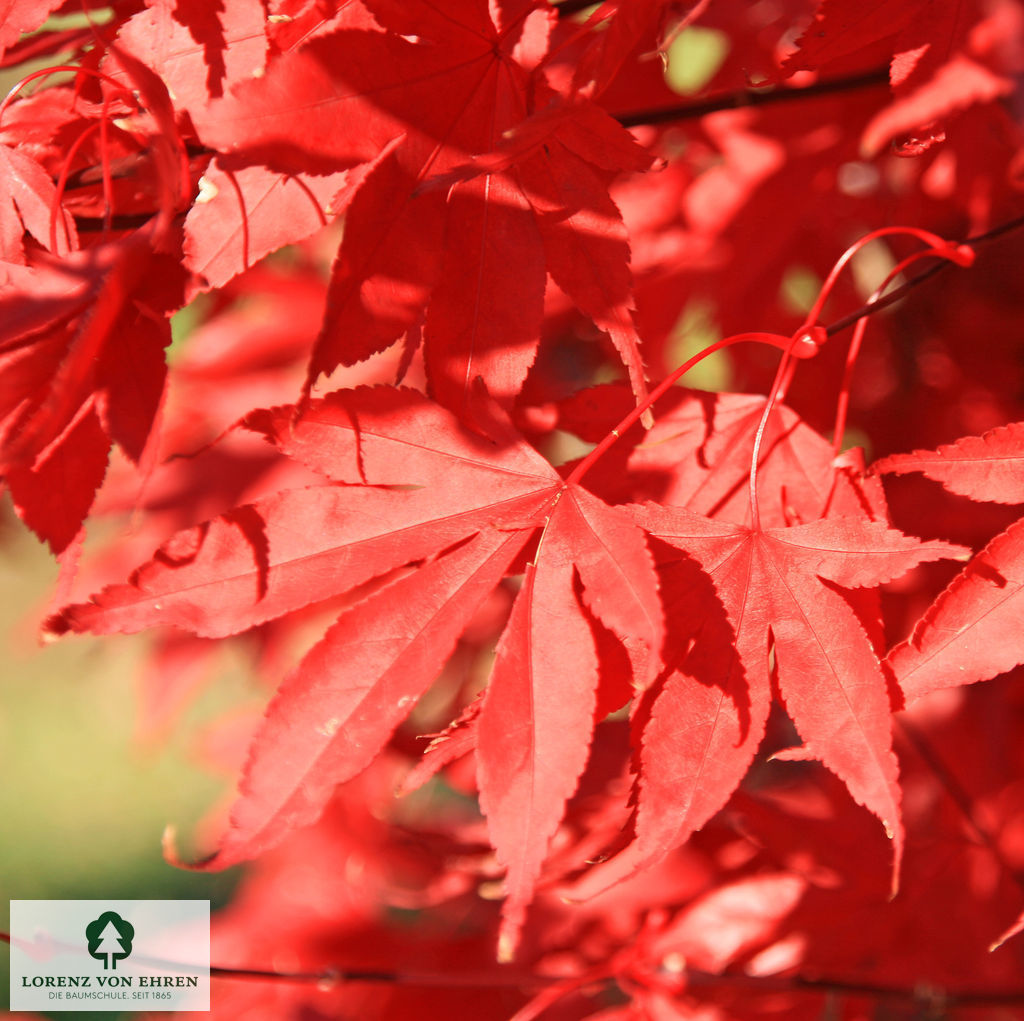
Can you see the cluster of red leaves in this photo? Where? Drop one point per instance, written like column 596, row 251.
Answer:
column 606, row 651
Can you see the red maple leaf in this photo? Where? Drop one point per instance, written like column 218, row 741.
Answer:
column 988, row 467
column 29, row 207
column 482, row 500
column 82, row 338
column 943, row 57
column 242, row 215
column 972, row 631
column 781, row 592
column 199, row 50
column 599, row 665
column 84, row 365
column 411, row 104
column 19, row 16
column 942, row 64
column 697, row 455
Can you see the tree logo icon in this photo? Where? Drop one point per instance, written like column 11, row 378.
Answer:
column 110, row 939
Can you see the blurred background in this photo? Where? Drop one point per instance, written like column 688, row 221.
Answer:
column 84, row 797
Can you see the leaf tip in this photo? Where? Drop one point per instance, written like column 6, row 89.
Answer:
column 895, row 834
column 168, row 840
column 506, row 948
column 513, row 917
column 57, row 625
column 1014, row 930
column 54, row 628
column 168, row 845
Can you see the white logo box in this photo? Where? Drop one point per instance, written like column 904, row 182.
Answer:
column 88, row 955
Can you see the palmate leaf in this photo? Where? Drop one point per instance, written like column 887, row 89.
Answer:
column 301, row 546
column 988, row 467
column 780, row 590
column 18, row 16
column 972, row 631
column 697, row 454
column 333, row 715
column 82, row 353
column 480, row 500
column 26, row 207
column 471, row 147
column 200, row 51
column 470, row 259
column 476, row 500
column 242, row 215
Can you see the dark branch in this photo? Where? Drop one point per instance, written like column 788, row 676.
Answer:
column 959, row 796
column 569, row 7
column 754, row 97
column 925, row 996
column 500, row 978
column 453, row 980
column 893, row 296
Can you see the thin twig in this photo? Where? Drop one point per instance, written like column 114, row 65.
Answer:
column 959, row 796
column 922, row 995
column 754, row 97
column 682, row 112
column 893, row 296
column 450, row 980
column 569, row 7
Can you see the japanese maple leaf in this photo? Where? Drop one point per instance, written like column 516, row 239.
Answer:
column 18, row 16
column 242, row 215
column 781, row 592
column 623, row 26
column 439, row 549
column 408, row 95
column 198, row 49
column 988, row 467
column 973, row 629
column 943, row 56
column 82, row 339
column 29, row 207
column 942, row 64
column 843, row 31
column 697, row 454
column 81, row 350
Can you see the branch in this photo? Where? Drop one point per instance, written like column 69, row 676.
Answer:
column 893, row 296
column 335, row 976
column 685, row 111
column 569, row 7
column 754, row 97
column 925, row 996
column 922, row 995
column 959, row 796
